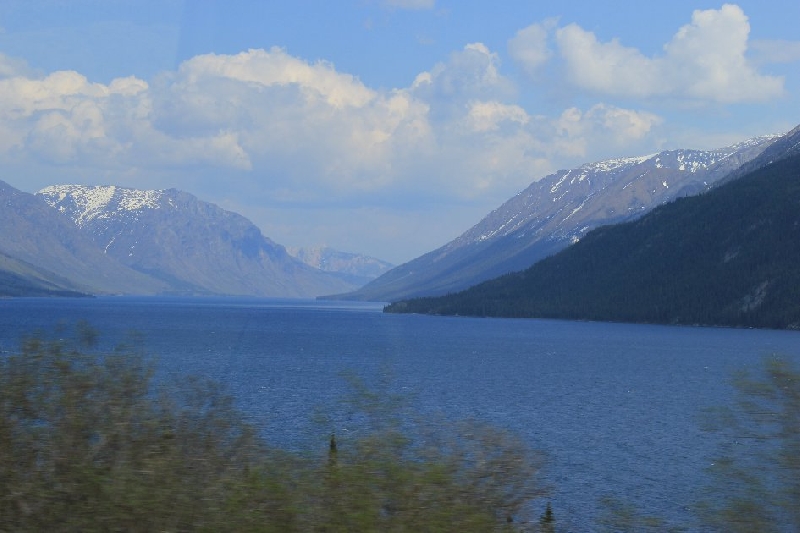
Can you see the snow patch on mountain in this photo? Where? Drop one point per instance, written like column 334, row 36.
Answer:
column 613, row 164
column 569, row 192
column 329, row 260
column 86, row 203
column 749, row 143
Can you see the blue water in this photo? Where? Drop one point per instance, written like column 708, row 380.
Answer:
column 615, row 407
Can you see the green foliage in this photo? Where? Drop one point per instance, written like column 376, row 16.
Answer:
column 474, row 482
column 403, row 474
column 88, row 443
column 757, row 475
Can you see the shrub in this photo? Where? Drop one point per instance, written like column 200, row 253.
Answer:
column 89, row 443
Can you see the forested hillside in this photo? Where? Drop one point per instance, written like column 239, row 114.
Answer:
column 727, row 257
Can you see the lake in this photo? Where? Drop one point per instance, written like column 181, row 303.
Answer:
column 614, row 406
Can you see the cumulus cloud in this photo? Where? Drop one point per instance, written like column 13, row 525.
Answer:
column 579, row 135
column 606, row 67
column 277, row 68
column 529, row 46
column 614, row 125
column 300, row 134
column 307, row 130
column 469, row 75
column 293, row 132
column 312, row 127
column 473, row 72
column 56, row 117
column 269, row 132
column 709, row 59
column 488, row 116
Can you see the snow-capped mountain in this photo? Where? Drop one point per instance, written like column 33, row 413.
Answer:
column 557, row 211
column 42, row 253
column 192, row 246
column 611, row 190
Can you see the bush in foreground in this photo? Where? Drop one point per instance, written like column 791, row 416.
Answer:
column 89, row 443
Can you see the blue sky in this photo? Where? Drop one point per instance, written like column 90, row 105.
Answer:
column 385, row 127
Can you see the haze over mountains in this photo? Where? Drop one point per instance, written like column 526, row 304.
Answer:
column 113, row 240
column 71, row 239
column 356, row 268
column 730, row 256
column 557, row 211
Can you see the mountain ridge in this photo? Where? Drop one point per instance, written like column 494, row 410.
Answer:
column 194, row 247
column 556, row 211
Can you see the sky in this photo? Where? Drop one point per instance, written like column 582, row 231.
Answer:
column 382, row 127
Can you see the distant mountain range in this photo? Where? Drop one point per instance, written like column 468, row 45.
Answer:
column 556, row 211
column 357, row 269
column 730, row 256
column 74, row 239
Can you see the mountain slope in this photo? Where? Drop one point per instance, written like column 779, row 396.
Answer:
column 785, row 146
column 42, row 253
column 557, row 211
column 192, row 246
column 20, row 279
column 730, row 257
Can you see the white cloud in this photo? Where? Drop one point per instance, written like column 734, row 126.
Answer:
column 488, row 116
column 276, row 68
column 624, row 125
column 298, row 132
column 606, row 67
column 313, row 129
column 601, row 130
column 705, row 60
column 268, row 132
column 56, row 118
column 292, row 133
column 471, row 74
column 529, row 46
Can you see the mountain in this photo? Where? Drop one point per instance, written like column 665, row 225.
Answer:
column 784, row 146
column 41, row 253
column 191, row 246
column 730, row 256
column 354, row 268
column 557, row 211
